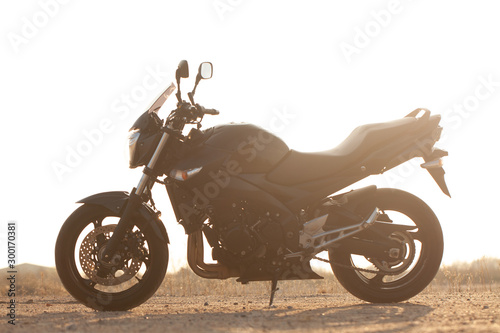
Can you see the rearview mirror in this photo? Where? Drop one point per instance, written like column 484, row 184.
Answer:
column 206, row 70
column 182, row 70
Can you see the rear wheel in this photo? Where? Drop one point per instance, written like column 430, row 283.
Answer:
column 378, row 281
column 133, row 276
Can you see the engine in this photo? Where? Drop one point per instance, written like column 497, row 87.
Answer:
column 238, row 233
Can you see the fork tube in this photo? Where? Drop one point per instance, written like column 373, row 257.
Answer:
column 145, row 178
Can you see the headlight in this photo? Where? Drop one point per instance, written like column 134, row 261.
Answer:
column 132, row 144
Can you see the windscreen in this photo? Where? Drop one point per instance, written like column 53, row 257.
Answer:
column 162, row 98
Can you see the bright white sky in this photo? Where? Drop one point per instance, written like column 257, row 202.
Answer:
column 72, row 67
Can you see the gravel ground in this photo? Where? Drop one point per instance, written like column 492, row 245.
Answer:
column 428, row 312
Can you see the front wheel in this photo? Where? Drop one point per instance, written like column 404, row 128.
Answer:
column 133, row 276
column 384, row 282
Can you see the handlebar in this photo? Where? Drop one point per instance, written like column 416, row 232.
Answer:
column 187, row 113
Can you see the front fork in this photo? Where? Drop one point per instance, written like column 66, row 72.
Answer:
column 134, row 202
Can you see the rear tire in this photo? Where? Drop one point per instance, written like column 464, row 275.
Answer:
column 380, row 288
column 138, row 276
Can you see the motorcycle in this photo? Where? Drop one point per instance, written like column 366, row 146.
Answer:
column 266, row 211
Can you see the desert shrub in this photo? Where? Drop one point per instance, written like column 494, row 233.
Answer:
column 480, row 275
column 185, row 283
column 36, row 280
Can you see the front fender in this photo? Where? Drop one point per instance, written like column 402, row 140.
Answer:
column 117, row 200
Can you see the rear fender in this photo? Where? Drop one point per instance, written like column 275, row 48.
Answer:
column 117, row 200
column 351, row 200
column 345, row 208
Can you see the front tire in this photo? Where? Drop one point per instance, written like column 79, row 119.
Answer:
column 102, row 286
column 428, row 243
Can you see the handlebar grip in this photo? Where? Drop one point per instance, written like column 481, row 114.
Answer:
column 204, row 110
column 211, row 111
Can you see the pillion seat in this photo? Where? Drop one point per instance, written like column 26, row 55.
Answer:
column 297, row 167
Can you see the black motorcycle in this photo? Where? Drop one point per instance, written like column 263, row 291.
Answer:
column 265, row 210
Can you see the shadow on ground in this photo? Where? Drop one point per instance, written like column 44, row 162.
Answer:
column 305, row 314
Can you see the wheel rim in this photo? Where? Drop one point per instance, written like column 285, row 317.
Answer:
column 397, row 274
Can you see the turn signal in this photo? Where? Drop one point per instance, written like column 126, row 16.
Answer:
column 184, row 174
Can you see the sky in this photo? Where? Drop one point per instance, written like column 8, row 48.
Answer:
column 75, row 75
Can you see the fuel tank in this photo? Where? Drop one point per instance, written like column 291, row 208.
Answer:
column 242, row 148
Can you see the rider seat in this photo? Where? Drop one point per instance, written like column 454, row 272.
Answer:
column 297, row 167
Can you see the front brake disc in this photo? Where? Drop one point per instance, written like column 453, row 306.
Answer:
column 89, row 259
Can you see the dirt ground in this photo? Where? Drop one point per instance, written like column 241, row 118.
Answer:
column 428, row 312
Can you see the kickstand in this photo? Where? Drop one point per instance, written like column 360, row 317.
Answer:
column 274, row 289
